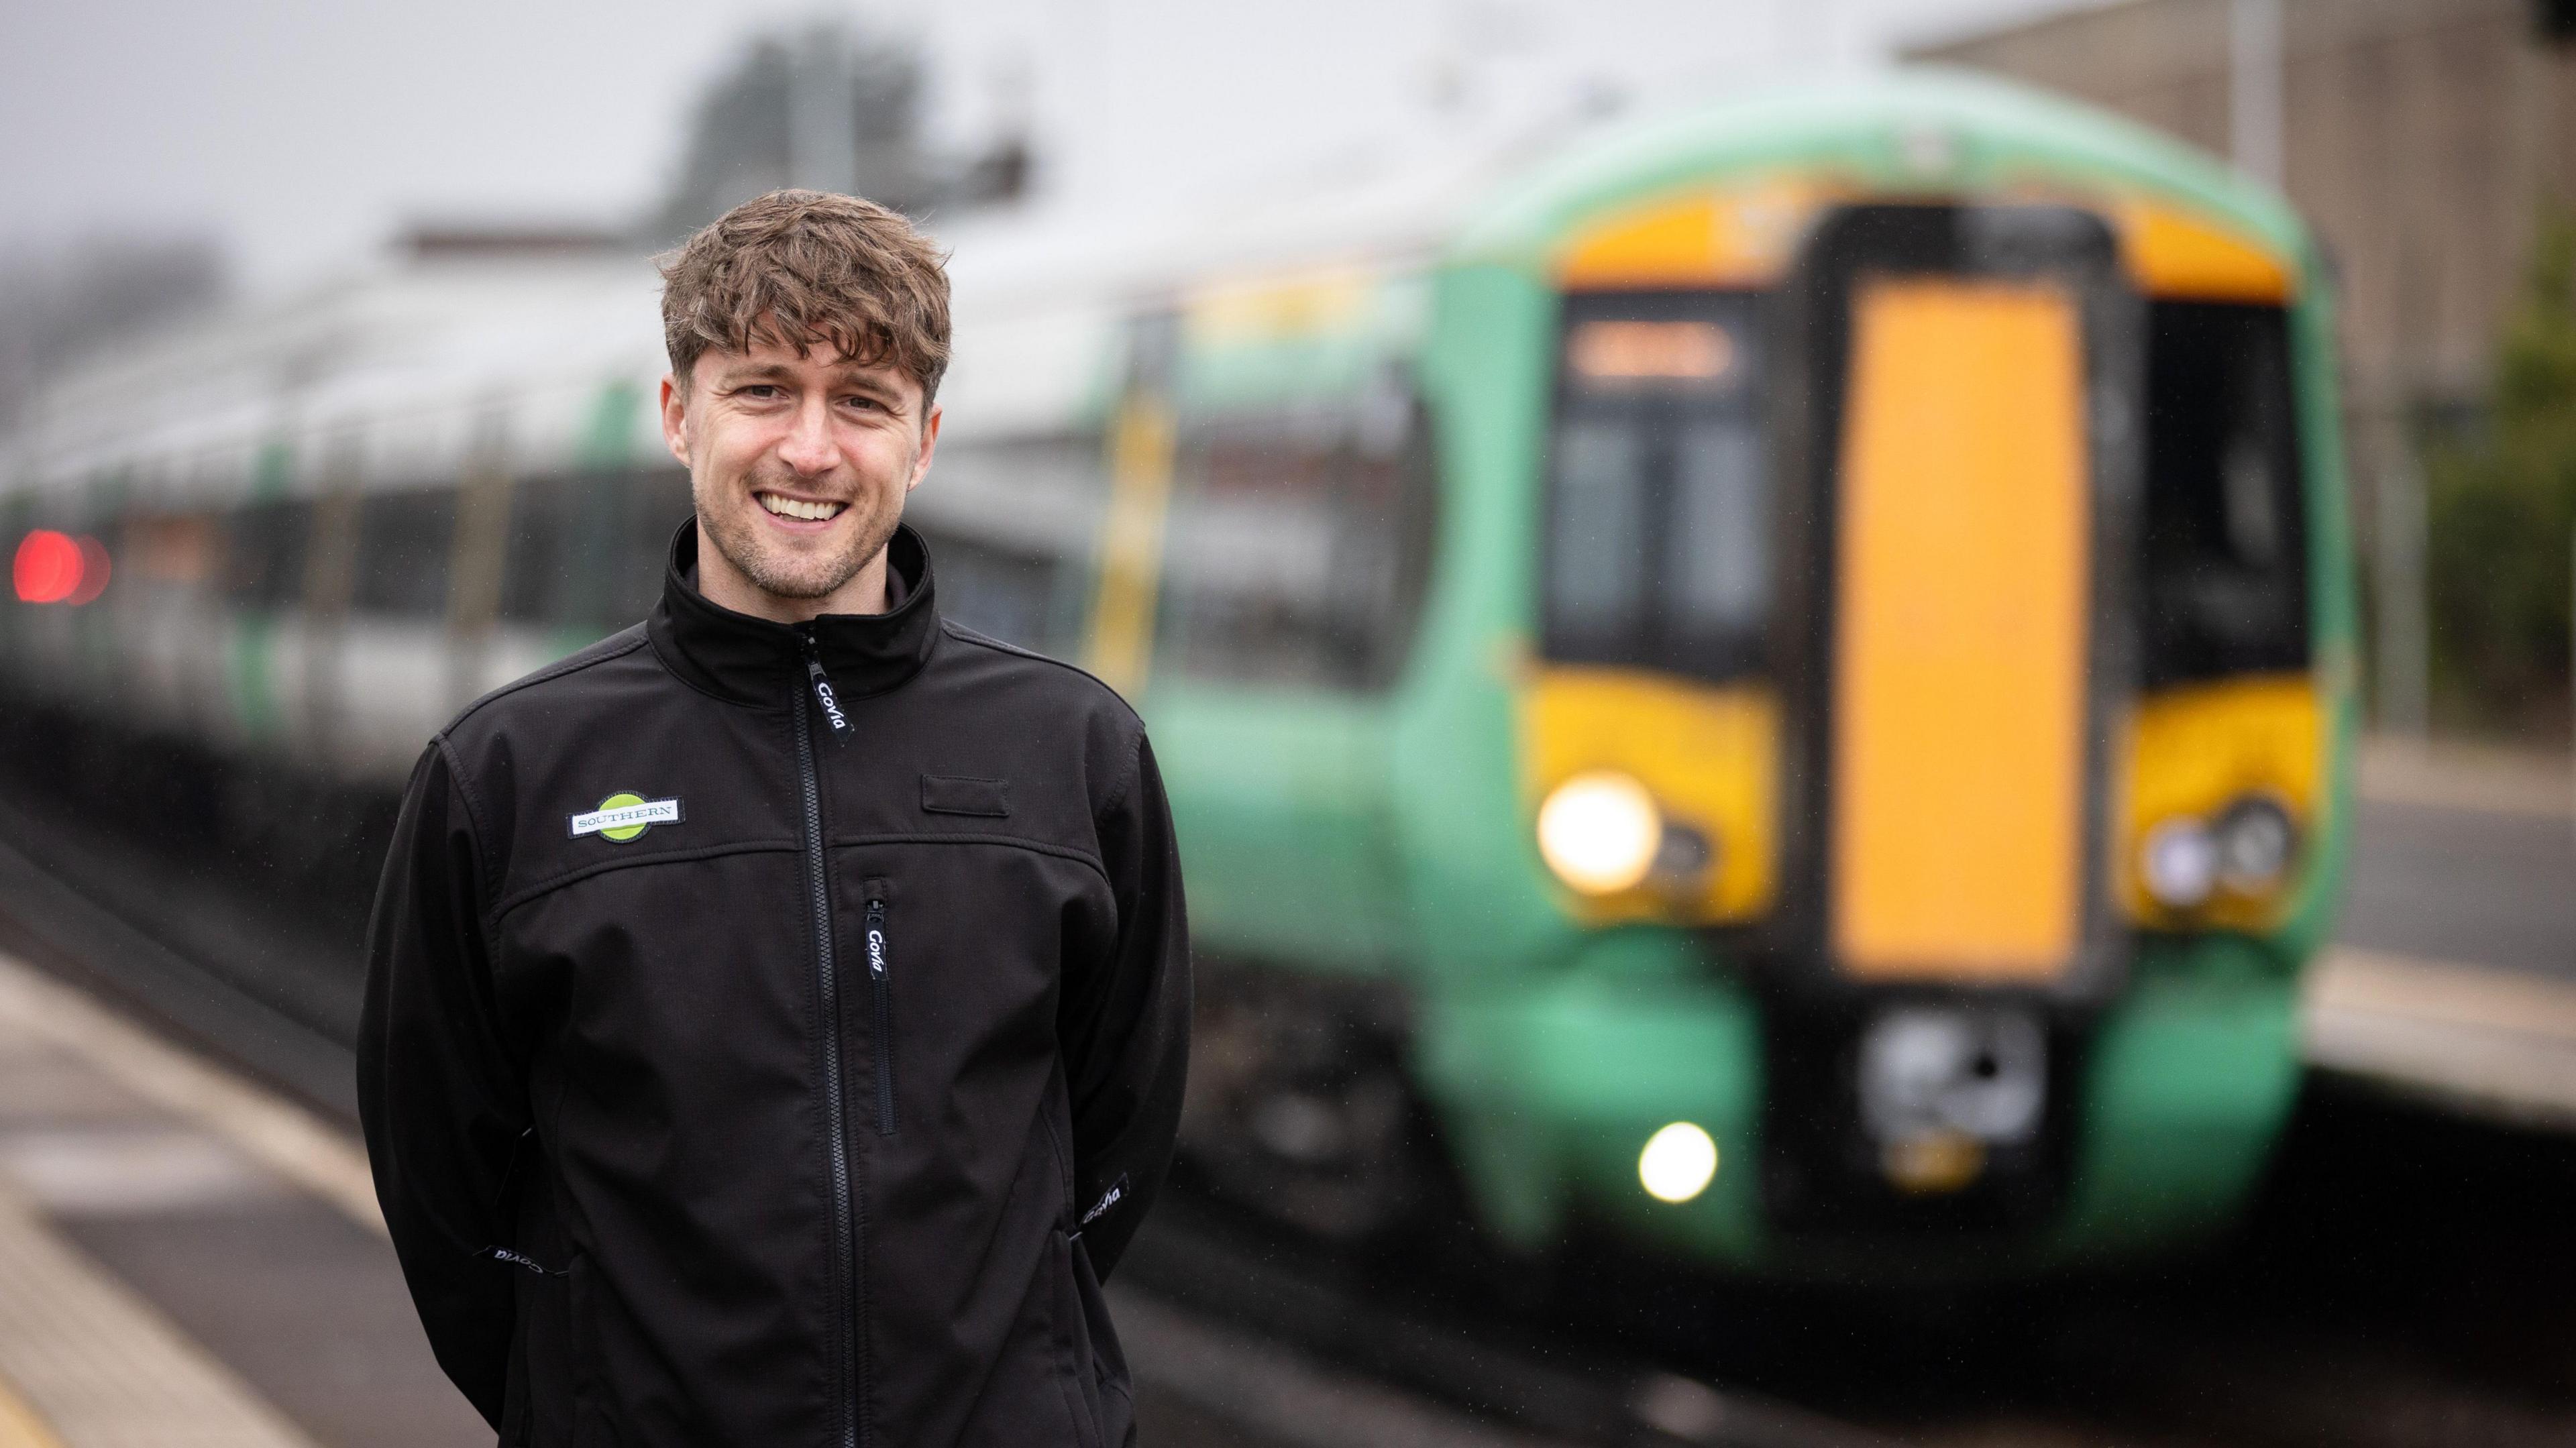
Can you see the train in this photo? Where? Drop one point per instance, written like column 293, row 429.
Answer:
column 1773, row 684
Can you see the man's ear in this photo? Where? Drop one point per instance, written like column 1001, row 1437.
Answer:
column 675, row 418
column 929, row 445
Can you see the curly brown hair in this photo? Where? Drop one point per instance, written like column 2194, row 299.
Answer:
column 802, row 268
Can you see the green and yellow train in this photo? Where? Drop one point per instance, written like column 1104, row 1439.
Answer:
column 1819, row 742
column 1778, row 686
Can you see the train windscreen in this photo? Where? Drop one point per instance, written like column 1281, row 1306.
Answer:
column 1658, row 549
column 2226, row 544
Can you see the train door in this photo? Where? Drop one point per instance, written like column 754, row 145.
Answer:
column 1260, row 576
column 1958, row 415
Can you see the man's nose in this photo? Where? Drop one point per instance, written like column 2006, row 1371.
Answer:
column 807, row 449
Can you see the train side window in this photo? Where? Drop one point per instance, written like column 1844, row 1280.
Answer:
column 403, row 541
column 538, row 586
column 586, row 549
column 1011, row 525
column 263, row 549
column 649, row 506
column 1297, row 546
column 998, row 592
column 2226, row 564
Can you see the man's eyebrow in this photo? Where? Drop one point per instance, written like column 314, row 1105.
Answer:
column 852, row 375
column 754, row 372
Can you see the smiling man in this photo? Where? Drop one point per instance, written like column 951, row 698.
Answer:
column 776, row 1013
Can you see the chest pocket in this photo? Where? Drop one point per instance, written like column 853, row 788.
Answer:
column 951, row 794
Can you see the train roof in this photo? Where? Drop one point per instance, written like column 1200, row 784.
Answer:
column 1929, row 129
column 397, row 377
column 383, row 376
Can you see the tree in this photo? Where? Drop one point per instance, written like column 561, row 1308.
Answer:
column 2502, row 511
column 59, row 303
column 835, row 110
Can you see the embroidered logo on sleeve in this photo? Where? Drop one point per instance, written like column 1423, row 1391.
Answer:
column 625, row 816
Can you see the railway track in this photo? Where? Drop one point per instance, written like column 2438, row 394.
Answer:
column 2406, row 1280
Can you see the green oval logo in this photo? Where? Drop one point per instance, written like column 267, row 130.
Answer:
column 623, row 799
column 624, row 817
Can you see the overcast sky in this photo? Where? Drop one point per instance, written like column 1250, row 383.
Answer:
column 303, row 132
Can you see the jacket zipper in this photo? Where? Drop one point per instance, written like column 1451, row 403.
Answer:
column 882, row 987
column 823, row 694
column 845, row 1234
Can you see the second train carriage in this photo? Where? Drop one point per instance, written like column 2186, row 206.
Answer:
column 1780, row 684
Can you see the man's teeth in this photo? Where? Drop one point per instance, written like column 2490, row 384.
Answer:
column 794, row 508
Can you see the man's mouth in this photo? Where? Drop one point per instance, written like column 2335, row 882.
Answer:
column 811, row 512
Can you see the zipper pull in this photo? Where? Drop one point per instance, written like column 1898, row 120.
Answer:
column 881, row 989
column 823, row 691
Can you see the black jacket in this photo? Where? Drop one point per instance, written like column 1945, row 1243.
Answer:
column 808, row 1114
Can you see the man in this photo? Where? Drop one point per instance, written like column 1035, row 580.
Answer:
column 776, row 1013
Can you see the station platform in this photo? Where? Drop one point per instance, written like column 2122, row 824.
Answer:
column 189, row 1259
column 2453, row 973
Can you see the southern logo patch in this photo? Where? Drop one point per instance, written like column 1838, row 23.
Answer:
column 625, row 816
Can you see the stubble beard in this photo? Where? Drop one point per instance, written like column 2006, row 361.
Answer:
column 783, row 572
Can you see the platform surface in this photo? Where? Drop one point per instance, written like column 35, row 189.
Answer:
column 189, row 1260
column 186, row 1260
column 2453, row 973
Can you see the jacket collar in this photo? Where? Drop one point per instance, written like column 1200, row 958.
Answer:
column 747, row 660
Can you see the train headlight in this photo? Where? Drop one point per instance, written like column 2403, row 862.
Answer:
column 1683, row 858
column 1600, row 832
column 2179, row 862
column 2256, row 840
column 1678, row 1162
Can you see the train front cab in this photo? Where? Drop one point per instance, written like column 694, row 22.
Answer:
column 1927, row 726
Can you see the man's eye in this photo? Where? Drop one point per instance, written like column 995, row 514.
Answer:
column 863, row 403
column 761, row 391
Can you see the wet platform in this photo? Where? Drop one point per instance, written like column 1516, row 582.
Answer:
column 186, row 1259
column 190, row 1260
column 2453, row 973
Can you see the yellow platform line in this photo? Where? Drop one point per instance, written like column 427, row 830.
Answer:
column 100, row 1367
column 2451, row 776
column 85, row 1360
column 294, row 1143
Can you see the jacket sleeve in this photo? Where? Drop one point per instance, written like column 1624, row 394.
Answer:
column 443, row 1106
column 1126, row 1023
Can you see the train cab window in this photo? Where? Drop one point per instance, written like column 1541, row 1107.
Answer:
column 1298, row 542
column 1599, row 529
column 2226, row 547
column 402, row 552
column 1717, row 556
column 1658, row 520
column 263, row 551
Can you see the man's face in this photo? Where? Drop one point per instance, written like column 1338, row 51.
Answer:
column 799, row 465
